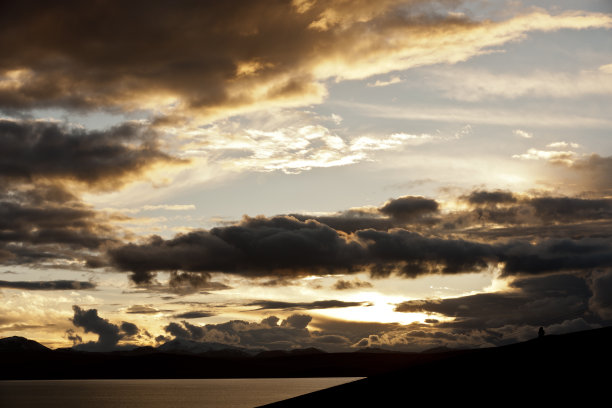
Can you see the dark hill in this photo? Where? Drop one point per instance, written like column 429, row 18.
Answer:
column 554, row 370
column 20, row 344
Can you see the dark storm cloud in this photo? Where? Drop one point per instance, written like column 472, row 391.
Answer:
column 566, row 209
column 70, row 224
column 601, row 302
column 503, row 207
column 186, row 282
column 46, row 222
column 130, row 329
column 177, row 288
column 195, row 314
column 210, row 55
column 286, row 246
column 408, row 208
column 483, row 197
column 255, row 247
column 73, row 337
column 142, row 309
column 178, row 331
column 342, row 284
column 410, row 254
column 353, row 329
column 297, row 321
column 38, row 150
column 268, row 334
column 49, row 285
column 555, row 255
column 109, row 334
column 40, row 219
column 536, row 301
column 321, row 304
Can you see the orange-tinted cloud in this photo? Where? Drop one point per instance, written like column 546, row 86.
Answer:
column 212, row 59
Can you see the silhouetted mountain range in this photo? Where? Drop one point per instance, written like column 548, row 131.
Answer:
column 25, row 359
column 572, row 364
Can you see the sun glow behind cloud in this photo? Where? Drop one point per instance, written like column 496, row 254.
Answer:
column 380, row 308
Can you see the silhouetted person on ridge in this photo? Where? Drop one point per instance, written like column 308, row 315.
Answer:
column 541, row 333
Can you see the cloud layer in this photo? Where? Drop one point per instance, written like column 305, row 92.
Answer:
column 518, row 234
column 43, row 150
column 211, row 58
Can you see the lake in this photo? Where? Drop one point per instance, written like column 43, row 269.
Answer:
column 189, row 393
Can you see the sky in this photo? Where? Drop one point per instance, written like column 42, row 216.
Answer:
column 404, row 174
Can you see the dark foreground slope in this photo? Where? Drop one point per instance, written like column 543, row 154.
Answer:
column 567, row 369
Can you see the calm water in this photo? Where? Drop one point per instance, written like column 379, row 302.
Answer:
column 218, row 393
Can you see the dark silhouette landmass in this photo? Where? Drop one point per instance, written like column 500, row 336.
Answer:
column 564, row 370
column 35, row 361
column 550, row 369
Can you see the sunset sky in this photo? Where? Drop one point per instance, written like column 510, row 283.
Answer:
column 310, row 173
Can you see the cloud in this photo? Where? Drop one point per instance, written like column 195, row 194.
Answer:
column 342, row 284
column 73, row 337
column 266, row 334
column 475, row 115
column 285, row 246
column 109, row 334
column 194, row 314
column 563, row 145
column 595, row 172
column 468, row 85
column 271, row 54
column 42, row 150
column 601, row 302
column 320, row 304
column 553, row 156
column 297, row 321
column 408, row 207
column 46, row 222
column 555, row 255
column 507, row 208
column 49, row 285
column 568, row 209
column 349, row 221
column 560, row 302
column 533, row 301
column 399, row 212
column 291, row 148
column 484, row 197
column 523, row 134
column 179, row 283
column 130, row 329
column 165, row 207
column 255, row 247
column 43, row 164
column 390, row 81
column 142, row 309
column 589, row 171
column 606, row 68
